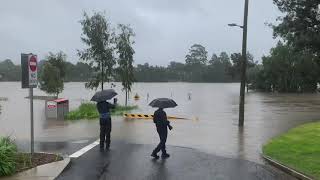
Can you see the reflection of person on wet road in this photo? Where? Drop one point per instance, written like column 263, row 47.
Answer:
column 162, row 124
column 105, row 123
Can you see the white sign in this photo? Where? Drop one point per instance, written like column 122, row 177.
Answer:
column 33, row 68
column 51, row 104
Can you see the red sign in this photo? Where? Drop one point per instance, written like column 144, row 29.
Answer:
column 33, row 63
column 51, row 106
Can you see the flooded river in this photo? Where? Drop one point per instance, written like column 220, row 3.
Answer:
column 211, row 108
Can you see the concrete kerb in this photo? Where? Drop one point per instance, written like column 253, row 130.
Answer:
column 286, row 169
column 45, row 171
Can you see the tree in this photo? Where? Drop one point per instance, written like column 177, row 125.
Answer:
column 50, row 80
column 58, row 60
column 99, row 37
column 236, row 59
column 300, row 24
column 147, row 73
column 125, row 60
column 214, row 59
column 197, row 55
column 286, row 70
column 9, row 71
column 196, row 61
column 53, row 71
column 176, row 72
column 218, row 68
column 78, row 73
column 257, row 80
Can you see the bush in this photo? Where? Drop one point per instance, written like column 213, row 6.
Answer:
column 8, row 152
column 89, row 111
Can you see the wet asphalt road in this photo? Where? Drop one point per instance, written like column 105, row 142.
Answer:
column 133, row 162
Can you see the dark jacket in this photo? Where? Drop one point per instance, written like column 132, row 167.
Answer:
column 160, row 119
column 104, row 107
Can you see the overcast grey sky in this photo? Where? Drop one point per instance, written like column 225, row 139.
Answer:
column 165, row 29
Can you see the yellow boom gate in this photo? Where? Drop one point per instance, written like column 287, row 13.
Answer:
column 146, row 116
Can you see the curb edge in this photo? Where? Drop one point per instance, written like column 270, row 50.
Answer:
column 286, row 169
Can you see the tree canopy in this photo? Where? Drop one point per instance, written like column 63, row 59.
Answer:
column 9, row 71
column 286, row 70
column 218, row 69
column 300, row 25
column 50, row 79
column 98, row 36
column 125, row 52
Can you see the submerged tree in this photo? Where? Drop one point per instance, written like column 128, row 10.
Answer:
column 125, row 61
column 99, row 37
column 53, row 72
column 50, row 79
column 58, row 60
column 286, row 70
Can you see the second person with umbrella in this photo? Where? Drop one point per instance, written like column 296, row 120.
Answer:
column 162, row 124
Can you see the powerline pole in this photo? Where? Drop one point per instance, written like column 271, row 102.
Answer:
column 244, row 64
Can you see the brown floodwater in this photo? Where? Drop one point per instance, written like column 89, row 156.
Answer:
column 211, row 108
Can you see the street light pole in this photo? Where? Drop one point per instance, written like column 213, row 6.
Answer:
column 244, row 64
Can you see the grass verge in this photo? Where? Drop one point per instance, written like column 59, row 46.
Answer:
column 89, row 111
column 299, row 149
column 12, row 161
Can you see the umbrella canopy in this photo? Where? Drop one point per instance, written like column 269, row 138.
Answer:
column 104, row 95
column 163, row 103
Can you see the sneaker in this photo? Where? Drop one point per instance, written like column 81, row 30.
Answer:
column 166, row 155
column 154, row 155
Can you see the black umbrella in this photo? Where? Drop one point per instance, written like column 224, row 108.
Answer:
column 163, row 103
column 104, row 95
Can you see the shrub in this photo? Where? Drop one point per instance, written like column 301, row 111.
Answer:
column 8, row 151
column 89, row 111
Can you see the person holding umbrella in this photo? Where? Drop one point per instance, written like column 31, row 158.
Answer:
column 104, row 107
column 162, row 124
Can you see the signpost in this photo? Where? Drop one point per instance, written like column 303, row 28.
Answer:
column 29, row 66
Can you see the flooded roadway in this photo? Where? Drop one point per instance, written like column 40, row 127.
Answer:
column 215, row 106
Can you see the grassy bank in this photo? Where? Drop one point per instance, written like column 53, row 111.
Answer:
column 12, row 161
column 299, row 149
column 89, row 111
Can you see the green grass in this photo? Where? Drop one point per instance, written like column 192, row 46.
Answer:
column 89, row 111
column 8, row 152
column 299, row 149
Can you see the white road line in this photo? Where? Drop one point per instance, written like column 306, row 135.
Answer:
column 84, row 150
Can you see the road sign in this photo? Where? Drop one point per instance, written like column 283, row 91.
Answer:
column 33, row 63
column 33, row 81
column 29, row 68
column 29, row 63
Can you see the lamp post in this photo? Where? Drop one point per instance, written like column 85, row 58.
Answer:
column 244, row 62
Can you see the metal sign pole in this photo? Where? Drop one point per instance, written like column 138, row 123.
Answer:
column 29, row 68
column 31, row 119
